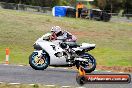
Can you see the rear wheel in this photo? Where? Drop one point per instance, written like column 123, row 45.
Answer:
column 88, row 65
column 38, row 62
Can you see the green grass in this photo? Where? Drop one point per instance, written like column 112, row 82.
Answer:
column 19, row 30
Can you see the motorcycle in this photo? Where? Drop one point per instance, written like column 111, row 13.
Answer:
column 59, row 53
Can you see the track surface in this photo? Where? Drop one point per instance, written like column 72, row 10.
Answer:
column 50, row 76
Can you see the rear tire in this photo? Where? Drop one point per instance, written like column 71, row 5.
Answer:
column 84, row 66
column 39, row 65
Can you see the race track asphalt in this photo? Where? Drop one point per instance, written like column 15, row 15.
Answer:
column 50, row 76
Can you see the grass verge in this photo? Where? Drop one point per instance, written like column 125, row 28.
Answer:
column 19, row 30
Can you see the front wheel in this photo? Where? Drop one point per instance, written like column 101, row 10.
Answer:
column 88, row 65
column 38, row 61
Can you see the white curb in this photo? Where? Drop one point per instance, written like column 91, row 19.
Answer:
column 1, row 82
column 65, row 86
column 51, row 67
column 50, row 85
column 20, row 65
column 31, row 84
column 14, row 83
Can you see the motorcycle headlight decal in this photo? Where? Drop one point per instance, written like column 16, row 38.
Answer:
column 53, row 46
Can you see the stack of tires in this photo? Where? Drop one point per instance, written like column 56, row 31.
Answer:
column 71, row 12
column 105, row 17
column 100, row 15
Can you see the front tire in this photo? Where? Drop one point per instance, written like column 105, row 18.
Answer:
column 38, row 62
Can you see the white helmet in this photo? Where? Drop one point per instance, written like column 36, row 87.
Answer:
column 56, row 29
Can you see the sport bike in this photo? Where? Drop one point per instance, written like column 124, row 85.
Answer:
column 60, row 53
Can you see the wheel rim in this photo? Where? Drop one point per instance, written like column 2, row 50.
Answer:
column 89, row 64
column 38, row 61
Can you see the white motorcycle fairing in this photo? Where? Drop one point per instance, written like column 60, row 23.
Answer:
column 52, row 49
column 86, row 45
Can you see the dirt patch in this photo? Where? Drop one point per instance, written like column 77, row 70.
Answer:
column 115, row 68
column 111, row 68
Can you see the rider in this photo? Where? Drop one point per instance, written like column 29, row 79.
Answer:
column 57, row 34
column 69, row 40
